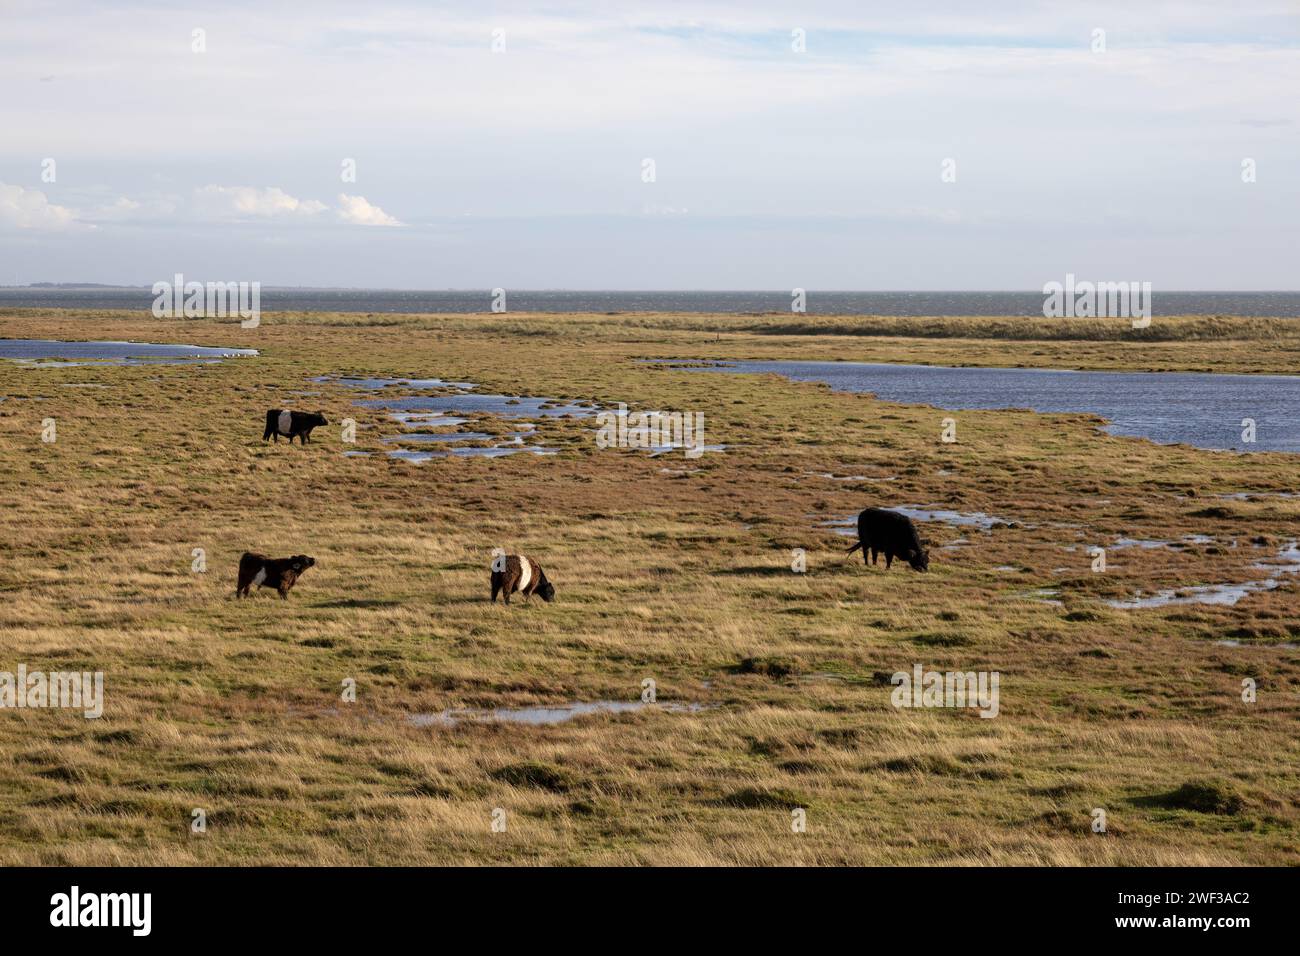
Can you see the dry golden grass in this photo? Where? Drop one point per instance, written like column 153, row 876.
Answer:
column 670, row 570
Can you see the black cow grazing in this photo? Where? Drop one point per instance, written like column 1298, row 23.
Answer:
column 281, row 421
column 891, row 534
column 518, row 572
column 278, row 573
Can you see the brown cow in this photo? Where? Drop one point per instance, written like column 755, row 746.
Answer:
column 278, row 573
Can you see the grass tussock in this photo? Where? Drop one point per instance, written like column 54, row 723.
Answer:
column 1202, row 796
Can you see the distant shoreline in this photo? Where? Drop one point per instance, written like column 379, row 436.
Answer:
column 1026, row 304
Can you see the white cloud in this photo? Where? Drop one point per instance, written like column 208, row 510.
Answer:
column 358, row 211
column 250, row 202
column 234, row 203
column 31, row 209
column 125, row 209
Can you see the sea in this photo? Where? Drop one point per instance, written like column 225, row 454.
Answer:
column 1015, row 303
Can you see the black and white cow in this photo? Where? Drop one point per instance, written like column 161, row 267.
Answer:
column 282, row 421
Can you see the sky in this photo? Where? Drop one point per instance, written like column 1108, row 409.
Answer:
column 607, row 145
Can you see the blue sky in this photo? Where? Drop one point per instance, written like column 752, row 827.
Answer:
column 774, row 168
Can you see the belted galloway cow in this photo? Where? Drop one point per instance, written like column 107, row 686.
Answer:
column 282, row 421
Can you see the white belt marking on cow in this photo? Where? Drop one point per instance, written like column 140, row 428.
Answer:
column 285, row 423
column 525, row 572
column 259, row 577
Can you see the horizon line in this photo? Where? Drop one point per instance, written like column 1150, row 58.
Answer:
column 105, row 286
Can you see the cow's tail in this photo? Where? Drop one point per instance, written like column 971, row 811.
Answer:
column 854, row 548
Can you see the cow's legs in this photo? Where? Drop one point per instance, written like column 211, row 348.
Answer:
column 889, row 559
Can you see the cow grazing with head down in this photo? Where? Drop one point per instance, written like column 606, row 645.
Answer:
column 518, row 572
column 282, row 421
column 278, row 573
column 891, row 534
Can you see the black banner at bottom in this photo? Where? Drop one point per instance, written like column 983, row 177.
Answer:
column 329, row 905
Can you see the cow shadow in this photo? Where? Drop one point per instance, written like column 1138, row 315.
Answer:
column 356, row 603
column 761, row 570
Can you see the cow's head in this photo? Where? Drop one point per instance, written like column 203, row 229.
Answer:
column 319, row 419
column 918, row 559
column 547, row 590
column 301, row 562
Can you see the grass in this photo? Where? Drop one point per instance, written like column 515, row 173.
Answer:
column 666, row 569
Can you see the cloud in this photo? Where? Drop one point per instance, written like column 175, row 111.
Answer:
column 250, row 202
column 358, row 211
column 241, row 203
column 30, row 209
column 125, row 209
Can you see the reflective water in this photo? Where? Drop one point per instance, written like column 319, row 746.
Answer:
column 546, row 715
column 1201, row 409
column 1286, row 562
column 458, row 407
column 848, row 524
column 51, row 353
